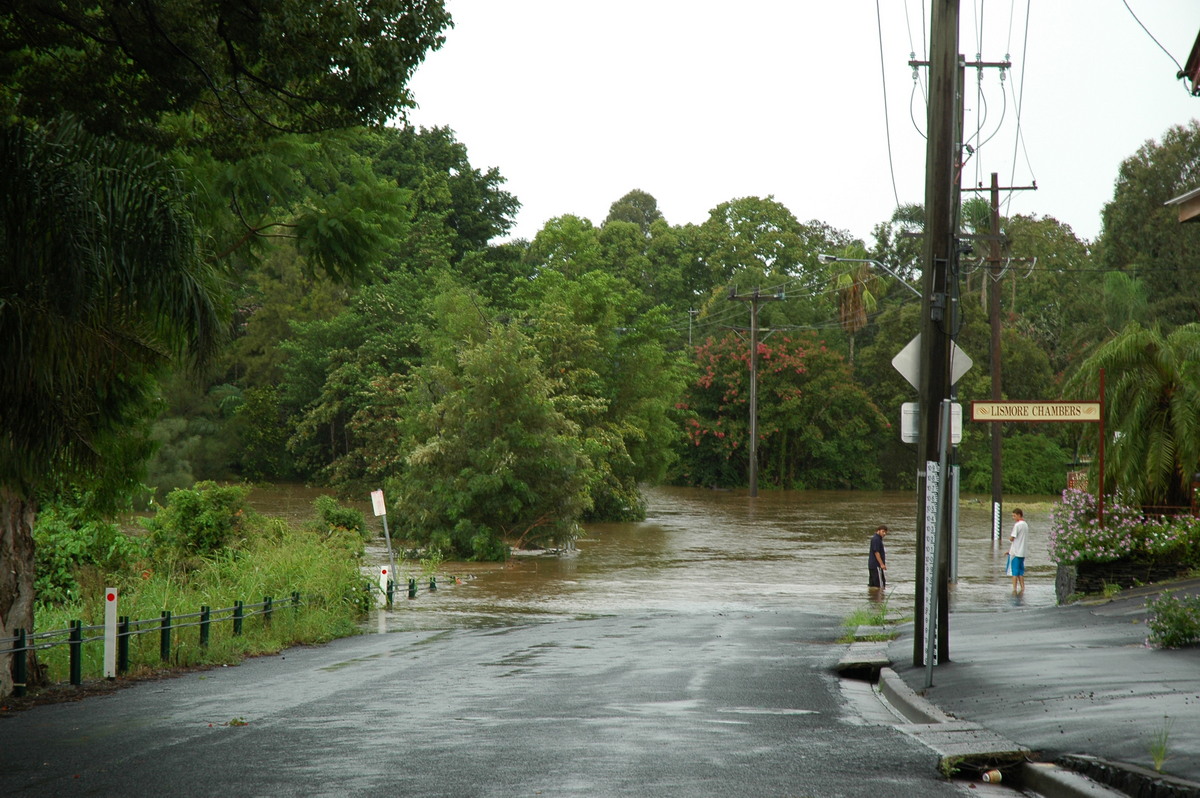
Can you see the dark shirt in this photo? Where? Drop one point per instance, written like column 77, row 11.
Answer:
column 876, row 546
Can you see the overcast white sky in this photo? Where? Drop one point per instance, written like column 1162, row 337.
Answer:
column 699, row 101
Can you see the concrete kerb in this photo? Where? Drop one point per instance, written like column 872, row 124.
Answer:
column 962, row 746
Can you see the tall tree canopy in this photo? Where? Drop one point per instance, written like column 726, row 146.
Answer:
column 1143, row 236
column 227, row 73
column 1153, row 402
column 100, row 287
column 213, row 126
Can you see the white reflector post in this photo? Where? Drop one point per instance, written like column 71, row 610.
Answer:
column 110, row 633
column 385, row 573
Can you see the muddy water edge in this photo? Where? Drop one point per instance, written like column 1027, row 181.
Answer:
column 709, row 551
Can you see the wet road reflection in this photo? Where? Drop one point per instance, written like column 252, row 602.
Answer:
column 721, row 551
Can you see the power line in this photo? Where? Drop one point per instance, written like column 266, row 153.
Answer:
column 1019, row 105
column 887, row 124
column 1151, row 35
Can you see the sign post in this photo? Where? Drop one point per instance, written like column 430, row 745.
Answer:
column 377, row 504
column 933, row 540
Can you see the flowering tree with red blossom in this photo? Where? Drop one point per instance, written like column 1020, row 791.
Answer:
column 816, row 427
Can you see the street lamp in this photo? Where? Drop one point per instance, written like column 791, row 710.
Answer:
column 824, row 258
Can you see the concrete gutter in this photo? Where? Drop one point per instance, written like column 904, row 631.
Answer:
column 962, row 747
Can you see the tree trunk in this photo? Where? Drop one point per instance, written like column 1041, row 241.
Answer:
column 16, row 578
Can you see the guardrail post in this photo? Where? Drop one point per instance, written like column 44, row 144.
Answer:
column 164, row 637
column 295, row 601
column 433, row 583
column 205, row 622
column 123, row 644
column 20, row 664
column 238, row 614
column 391, row 592
column 75, row 643
column 268, row 608
column 412, row 587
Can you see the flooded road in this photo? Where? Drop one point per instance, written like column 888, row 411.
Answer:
column 719, row 551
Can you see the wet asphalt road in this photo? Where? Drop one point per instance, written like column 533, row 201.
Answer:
column 666, row 704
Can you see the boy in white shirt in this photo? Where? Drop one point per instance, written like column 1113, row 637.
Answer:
column 1016, row 550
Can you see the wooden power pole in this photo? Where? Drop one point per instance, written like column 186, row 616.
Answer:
column 752, row 449
column 942, row 173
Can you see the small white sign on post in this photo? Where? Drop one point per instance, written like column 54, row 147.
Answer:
column 110, row 633
column 377, row 503
column 910, row 422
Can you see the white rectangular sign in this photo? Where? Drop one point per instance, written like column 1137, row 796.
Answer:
column 910, row 422
column 377, row 503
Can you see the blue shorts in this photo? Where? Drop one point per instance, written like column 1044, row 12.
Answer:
column 1018, row 566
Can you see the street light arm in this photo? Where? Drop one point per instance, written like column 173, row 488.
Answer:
column 824, row 258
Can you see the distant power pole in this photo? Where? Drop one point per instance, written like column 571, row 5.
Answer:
column 754, row 299
column 995, row 272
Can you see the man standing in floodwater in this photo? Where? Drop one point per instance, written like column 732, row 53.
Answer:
column 877, row 560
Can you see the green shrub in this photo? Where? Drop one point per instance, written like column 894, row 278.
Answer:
column 1174, row 621
column 200, row 520
column 332, row 515
column 67, row 541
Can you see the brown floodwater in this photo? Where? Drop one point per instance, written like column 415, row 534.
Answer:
column 713, row 551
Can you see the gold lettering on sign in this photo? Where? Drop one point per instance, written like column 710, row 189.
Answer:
column 1035, row 411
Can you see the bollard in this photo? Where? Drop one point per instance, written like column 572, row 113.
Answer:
column 237, row 618
column 123, row 644
column 205, row 623
column 268, row 607
column 433, row 583
column 20, row 664
column 384, row 599
column 412, row 587
column 76, row 645
column 164, row 637
column 110, row 633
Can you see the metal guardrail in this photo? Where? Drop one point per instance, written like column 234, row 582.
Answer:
column 165, row 625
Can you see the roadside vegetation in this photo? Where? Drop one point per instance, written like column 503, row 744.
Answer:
column 204, row 547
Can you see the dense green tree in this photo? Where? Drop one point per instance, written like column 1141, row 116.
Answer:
column 898, row 245
column 1049, row 291
column 614, row 379
column 636, row 207
column 332, row 364
column 750, row 240
column 433, row 165
column 569, row 245
column 1143, row 236
column 1034, row 464
column 215, row 72
column 1152, row 403
column 493, row 462
column 101, row 287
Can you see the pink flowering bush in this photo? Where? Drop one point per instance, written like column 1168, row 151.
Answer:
column 1076, row 535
